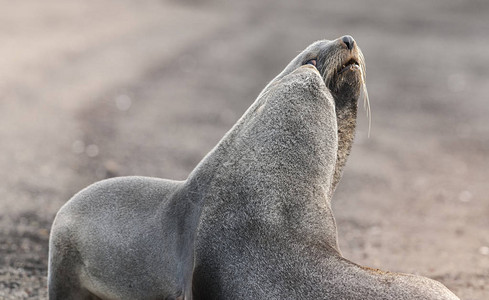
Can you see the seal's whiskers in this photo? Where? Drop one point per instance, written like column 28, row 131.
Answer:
column 366, row 100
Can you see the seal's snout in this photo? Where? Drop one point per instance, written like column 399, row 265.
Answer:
column 348, row 41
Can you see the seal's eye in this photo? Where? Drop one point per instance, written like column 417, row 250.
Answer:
column 311, row 62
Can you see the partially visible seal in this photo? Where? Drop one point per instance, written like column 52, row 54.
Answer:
column 252, row 221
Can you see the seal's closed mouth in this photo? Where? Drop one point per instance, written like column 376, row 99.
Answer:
column 351, row 64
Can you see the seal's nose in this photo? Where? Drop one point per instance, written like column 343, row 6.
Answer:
column 349, row 41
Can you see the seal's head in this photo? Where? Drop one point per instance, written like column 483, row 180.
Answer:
column 341, row 65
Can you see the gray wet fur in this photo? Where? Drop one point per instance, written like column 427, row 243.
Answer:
column 252, row 221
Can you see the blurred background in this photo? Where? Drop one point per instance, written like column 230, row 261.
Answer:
column 95, row 89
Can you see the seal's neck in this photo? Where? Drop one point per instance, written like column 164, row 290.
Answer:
column 274, row 169
column 346, row 113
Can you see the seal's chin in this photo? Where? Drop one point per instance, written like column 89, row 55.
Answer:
column 347, row 81
column 346, row 76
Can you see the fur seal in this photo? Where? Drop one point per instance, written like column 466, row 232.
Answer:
column 252, row 221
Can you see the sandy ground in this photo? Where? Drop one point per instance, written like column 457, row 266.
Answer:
column 94, row 89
